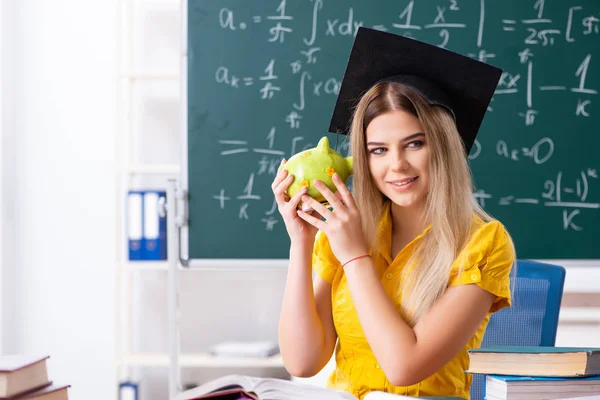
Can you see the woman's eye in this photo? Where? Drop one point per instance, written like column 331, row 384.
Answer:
column 377, row 150
column 416, row 144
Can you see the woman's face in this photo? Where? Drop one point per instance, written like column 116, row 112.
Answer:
column 399, row 158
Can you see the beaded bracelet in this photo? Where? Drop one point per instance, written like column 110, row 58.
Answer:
column 355, row 258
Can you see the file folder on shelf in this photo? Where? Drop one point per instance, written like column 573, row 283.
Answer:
column 147, row 226
column 128, row 391
column 155, row 228
column 134, row 225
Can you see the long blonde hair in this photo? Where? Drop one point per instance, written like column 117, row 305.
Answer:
column 450, row 203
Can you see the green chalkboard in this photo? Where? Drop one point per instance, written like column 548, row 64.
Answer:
column 262, row 79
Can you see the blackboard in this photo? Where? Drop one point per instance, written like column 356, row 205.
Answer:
column 262, row 79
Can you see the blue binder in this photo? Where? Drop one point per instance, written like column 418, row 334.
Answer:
column 135, row 224
column 155, row 227
column 128, row 391
column 146, row 225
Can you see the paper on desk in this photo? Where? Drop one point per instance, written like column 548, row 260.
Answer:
column 244, row 349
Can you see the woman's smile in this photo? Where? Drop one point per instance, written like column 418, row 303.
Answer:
column 403, row 184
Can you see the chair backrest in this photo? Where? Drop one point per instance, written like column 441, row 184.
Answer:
column 532, row 320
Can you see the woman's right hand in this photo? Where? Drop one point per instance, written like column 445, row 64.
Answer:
column 299, row 230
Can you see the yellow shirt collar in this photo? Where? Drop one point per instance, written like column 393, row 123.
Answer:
column 384, row 234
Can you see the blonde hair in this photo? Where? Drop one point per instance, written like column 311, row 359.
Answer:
column 450, row 203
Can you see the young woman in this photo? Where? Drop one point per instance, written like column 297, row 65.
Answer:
column 408, row 267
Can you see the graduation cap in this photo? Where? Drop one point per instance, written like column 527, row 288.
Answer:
column 461, row 84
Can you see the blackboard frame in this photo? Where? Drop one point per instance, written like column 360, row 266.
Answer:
column 183, row 186
column 240, row 262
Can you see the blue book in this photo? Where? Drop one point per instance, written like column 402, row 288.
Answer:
column 508, row 387
column 154, row 227
column 128, row 391
column 134, row 225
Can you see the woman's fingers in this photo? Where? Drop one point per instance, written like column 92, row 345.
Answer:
column 343, row 191
column 281, row 175
column 281, row 184
column 316, row 206
column 316, row 222
column 295, row 200
column 328, row 194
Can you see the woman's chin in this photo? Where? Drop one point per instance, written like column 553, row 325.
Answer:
column 404, row 201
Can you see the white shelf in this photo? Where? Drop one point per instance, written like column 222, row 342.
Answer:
column 587, row 314
column 144, row 266
column 150, row 75
column 152, row 169
column 200, row 360
column 132, row 266
column 175, row 4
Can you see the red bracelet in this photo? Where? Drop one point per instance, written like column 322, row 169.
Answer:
column 355, row 258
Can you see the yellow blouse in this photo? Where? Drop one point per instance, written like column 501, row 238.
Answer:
column 489, row 257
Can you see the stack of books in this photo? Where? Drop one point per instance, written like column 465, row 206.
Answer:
column 532, row 373
column 26, row 377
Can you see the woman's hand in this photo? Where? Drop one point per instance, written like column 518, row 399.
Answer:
column 343, row 225
column 299, row 230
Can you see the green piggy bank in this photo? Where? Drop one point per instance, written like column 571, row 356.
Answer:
column 319, row 163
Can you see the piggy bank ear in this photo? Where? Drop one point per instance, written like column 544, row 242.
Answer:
column 349, row 163
column 323, row 145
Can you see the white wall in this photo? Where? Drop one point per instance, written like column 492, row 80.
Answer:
column 2, row 58
column 59, row 196
column 58, row 159
column 7, row 108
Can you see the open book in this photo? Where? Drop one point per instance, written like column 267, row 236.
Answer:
column 238, row 387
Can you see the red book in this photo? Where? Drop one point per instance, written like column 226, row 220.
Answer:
column 21, row 373
column 50, row 392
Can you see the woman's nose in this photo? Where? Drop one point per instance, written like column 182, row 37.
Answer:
column 399, row 164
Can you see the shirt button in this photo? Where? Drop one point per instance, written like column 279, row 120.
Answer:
column 473, row 277
column 377, row 366
column 389, row 276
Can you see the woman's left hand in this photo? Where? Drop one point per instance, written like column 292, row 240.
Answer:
column 343, row 225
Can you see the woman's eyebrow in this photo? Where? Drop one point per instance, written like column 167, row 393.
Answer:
column 414, row 135
column 375, row 144
column 406, row 139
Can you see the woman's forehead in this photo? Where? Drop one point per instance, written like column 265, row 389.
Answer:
column 392, row 126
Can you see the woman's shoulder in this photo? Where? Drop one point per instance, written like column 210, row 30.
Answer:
column 487, row 231
column 488, row 239
column 486, row 260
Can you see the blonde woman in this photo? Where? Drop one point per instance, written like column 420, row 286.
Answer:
column 408, row 267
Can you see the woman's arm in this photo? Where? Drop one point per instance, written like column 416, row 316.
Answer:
column 409, row 355
column 406, row 355
column 306, row 332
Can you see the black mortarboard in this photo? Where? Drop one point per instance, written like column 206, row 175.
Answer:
column 461, row 84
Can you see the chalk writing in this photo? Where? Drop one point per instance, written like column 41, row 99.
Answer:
column 290, row 76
